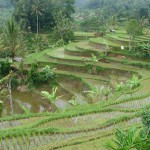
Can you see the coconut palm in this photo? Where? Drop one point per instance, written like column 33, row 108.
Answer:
column 11, row 38
column 37, row 9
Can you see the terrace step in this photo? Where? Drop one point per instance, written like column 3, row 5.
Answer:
column 83, row 75
column 135, row 104
column 138, row 39
column 60, row 53
column 74, row 51
column 83, row 35
column 114, row 38
column 105, row 42
column 129, row 61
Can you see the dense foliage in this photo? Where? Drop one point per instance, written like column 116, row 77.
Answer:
column 26, row 11
column 123, row 9
column 133, row 138
column 111, row 12
column 12, row 38
column 36, row 77
column 5, row 67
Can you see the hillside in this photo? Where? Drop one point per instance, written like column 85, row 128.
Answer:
column 6, row 10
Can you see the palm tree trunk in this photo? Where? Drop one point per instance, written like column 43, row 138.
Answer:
column 13, row 56
column 1, row 108
column 13, row 53
column 106, row 98
column 10, row 96
column 37, row 19
column 130, row 40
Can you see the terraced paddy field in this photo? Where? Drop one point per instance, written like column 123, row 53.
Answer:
column 92, row 122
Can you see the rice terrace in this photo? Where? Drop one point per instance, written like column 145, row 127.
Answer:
column 74, row 75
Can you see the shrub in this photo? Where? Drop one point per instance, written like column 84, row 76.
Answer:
column 14, row 82
column 133, row 82
column 36, row 76
column 68, row 35
column 33, row 76
column 119, row 87
column 47, row 74
column 5, row 68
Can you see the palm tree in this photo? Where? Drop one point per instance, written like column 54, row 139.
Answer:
column 37, row 9
column 113, row 22
column 11, row 38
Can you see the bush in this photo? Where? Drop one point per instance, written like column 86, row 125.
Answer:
column 47, row 74
column 142, row 50
column 68, row 36
column 65, row 38
column 4, row 53
column 14, row 82
column 36, row 76
column 93, row 25
column 5, row 68
column 33, row 75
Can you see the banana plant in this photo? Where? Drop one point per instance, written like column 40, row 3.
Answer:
column 95, row 93
column 106, row 92
column 25, row 110
column 133, row 83
column 94, row 58
column 119, row 87
column 73, row 102
column 51, row 97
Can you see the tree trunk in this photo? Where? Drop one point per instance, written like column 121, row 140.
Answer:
column 37, row 24
column 10, row 96
column 130, row 41
column 106, row 98
column 1, row 108
column 13, row 52
column 13, row 56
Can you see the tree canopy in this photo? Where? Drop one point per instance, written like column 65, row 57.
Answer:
column 123, row 8
column 47, row 21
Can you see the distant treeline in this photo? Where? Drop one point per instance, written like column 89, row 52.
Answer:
column 5, row 3
column 121, row 8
